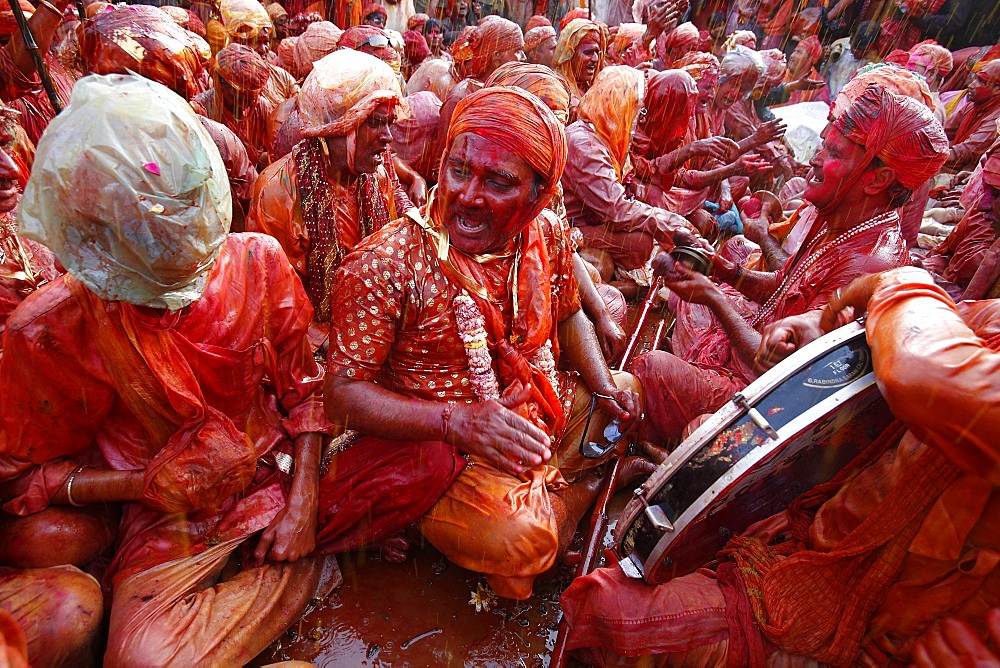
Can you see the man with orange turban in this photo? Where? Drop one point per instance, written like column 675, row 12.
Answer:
column 579, row 56
column 851, row 585
column 335, row 187
column 972, row 128
column 802, row 73
column 474, row 305
column 236, row 101
column 873, row 157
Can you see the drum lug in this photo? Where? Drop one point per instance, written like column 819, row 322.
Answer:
column 755, row 415
column 630, row 569
column 654, row 514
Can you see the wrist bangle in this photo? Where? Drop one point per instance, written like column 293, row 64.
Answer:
column 49, row 6
column 446, row 412
column 69, row 485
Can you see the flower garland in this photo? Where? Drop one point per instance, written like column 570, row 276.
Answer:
column 546, row 363
column 472, row 330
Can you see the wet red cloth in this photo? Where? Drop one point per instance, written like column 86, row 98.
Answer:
column 493, row 35
column 26, row 95
column 909, row 537
column 956, row 259
column 25, row 265
column 250, row 126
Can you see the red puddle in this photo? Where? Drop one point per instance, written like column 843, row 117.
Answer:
column 418, row 614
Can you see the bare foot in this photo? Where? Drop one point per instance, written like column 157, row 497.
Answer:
column 392, row 549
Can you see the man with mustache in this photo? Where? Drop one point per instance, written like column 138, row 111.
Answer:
column 450, row 327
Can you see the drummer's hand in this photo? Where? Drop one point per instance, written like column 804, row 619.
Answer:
column 664, row 265
column 690, row 285
column 953, row 642
column 783, row 337
column 626, row 406
column 849, row 302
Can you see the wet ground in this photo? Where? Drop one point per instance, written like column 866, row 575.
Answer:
column 422, row 613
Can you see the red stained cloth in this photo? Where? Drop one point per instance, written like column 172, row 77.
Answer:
column 812, row 46
column 167, row 53
column 26, row 265
column 242, row 68
column 572, row 15
column 537, row 21
column 319, row 39
column 373, row 8
column 8, row 26
column 415, row 48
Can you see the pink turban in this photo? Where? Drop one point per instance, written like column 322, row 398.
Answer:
column 534, row 37
column 740, row 38
column 318, row 40
column 685, row 35
column 812, row 46
column 932, row 56
column 774, row 67
column 892, row 78
column 698, row 64
column 899, row 131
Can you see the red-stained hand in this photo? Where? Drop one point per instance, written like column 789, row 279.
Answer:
column 722, row 149
column 611, row 337
column 768, row 132
column 291, row 534
column 492, row 431
column 783, row 337
column 690, row 285
column 626, row 407
column 952, row 643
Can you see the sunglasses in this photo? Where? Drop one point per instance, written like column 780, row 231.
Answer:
column 612, row 433
column 375, row 41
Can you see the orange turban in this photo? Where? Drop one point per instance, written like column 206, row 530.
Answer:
column 569, row 39
column 534, row 37
column 932, row 56
column 537, row 21
column 477, row 44
column 892, row 78
column 242, row 68
column 572, row 15
column 546, row 84
column 517, row 122
column 989, row 72
column 813, row 48
column 625, row 47
column 612, row 106
column 417, row 21
column 899, row 131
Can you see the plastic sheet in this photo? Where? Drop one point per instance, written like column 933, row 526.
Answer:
column 130, row 193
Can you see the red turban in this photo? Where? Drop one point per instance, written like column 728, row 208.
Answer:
column 670, row 99
column 990, row 72
column 354, row 38
column 812, row 46
column 8, row 26
column 534, row 37
column 931, row 55
column 519, row 123
column 241, row 67
column 537, row 21
column 991, row 169
column 898, row 57
column 474, row 47
column 899, row 131
column 578, row 13
column 374, row 8
column 415, row 47
column 894, row 79
column 417, row 21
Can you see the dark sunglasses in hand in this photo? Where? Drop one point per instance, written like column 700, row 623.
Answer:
column 612, row 434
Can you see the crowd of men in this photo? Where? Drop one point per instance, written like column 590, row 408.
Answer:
column 283, row 281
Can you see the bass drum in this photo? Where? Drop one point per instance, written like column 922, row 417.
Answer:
column 791, row 429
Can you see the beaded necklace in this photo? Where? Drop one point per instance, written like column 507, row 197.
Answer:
column 815, row 252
